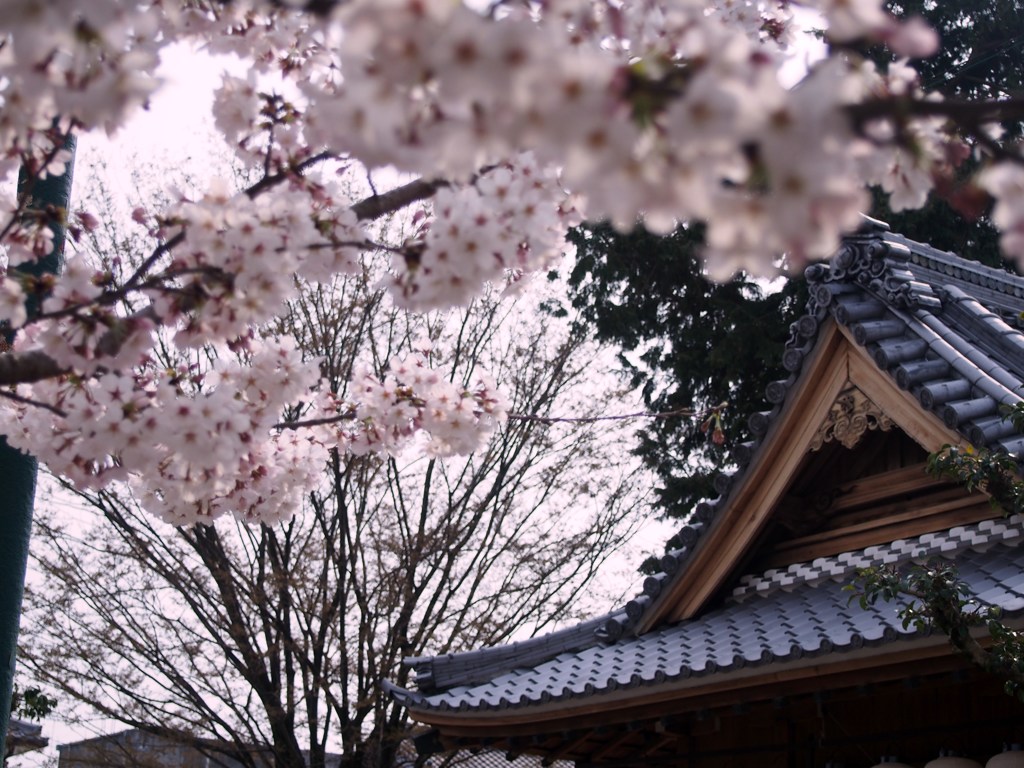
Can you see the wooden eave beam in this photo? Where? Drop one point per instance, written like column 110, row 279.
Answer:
column 943, row 513
column 571, row 747
column 764, row 482
column 611, row 746
column 924, row 656
column 659, row 743
column 885, row 485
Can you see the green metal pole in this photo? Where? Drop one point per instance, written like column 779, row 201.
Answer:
column 49, row 197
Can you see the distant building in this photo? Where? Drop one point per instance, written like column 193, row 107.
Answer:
column 138, row 749
column 22, row 737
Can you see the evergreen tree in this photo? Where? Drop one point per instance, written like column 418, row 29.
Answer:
column 687, row 342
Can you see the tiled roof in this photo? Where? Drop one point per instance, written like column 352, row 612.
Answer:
column 808, row 617
column 479, row 665
column 844, row 567
column 920, row 313
column 491, row 758
column 945, row 329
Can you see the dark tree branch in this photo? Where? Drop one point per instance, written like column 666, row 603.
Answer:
column 394, row 200
column 27, row 367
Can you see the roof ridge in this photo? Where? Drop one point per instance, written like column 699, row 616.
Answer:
column 977, row 537
column 467, row 667
column 960, row 269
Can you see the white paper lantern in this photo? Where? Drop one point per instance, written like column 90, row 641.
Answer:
column 890, row 761
column 949, row 759
column 1010, row 757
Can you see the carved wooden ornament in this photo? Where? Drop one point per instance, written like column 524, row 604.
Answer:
column 850, row 417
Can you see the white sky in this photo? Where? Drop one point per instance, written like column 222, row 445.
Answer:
column 175, row 132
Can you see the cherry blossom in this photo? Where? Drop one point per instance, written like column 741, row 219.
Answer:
column 512, row 124
column 1005, row 182
column 12, row 303
column 512, row 219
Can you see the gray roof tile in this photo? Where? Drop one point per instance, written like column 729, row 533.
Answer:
column 949, row 325
column 813, row 620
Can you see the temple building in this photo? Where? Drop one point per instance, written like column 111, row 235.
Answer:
column 747, row 650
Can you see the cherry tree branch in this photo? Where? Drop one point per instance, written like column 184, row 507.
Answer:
column 27, row 367
column 375, row 206
column 272, row 180
column 684, row 412
column 962, row 112
column 972, row 117
column 526, row 417
column 337, row 418
column 29, row 401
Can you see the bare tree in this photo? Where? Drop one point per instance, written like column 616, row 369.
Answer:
column 278, row 636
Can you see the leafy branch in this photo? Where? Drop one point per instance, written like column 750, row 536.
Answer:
column 990, row 472
column 937, row 599
column 934, row 596
column 32, row 704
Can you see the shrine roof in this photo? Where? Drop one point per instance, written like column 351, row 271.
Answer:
column 946, row 330
column 772, row 618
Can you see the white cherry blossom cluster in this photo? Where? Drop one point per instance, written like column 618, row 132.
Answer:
column 241, row 254
column 412, row 398
column 12, row 303
column 234, row 270
column 1005, row 182
column 510, row 221
column 691, row 123
column 905, row 169
column 83, row 340
column 88, row 63
column 195, row 446
column 518, row 121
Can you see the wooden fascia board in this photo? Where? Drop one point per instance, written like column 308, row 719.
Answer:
column 866, row 665
column 763, row 483
column 837, row 361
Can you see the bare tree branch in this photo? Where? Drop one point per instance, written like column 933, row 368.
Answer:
column 278, row 635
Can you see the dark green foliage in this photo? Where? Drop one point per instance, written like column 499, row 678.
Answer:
column 934, row 597
column 981, row 54
column 994, row 473
column 686, row 341
column 987, row 471
column 32, row 703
